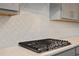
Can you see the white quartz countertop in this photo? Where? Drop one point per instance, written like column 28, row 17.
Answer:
column 19, row 51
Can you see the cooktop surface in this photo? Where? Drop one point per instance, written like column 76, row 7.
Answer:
column 43, row 45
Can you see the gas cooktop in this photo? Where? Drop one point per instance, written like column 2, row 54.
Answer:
column 43, row 45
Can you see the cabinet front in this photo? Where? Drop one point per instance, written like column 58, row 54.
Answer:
column 70, row 52
column 9, row 9
column 9, row 6
column 77, row 50
column 70, row 11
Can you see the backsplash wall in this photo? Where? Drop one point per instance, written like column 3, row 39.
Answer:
column 33, row 24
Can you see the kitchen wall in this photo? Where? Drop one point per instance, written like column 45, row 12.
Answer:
column 33, row 24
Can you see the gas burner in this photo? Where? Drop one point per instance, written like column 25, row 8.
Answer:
column 43, row 45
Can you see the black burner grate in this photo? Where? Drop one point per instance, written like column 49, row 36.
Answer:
column 44, row 44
